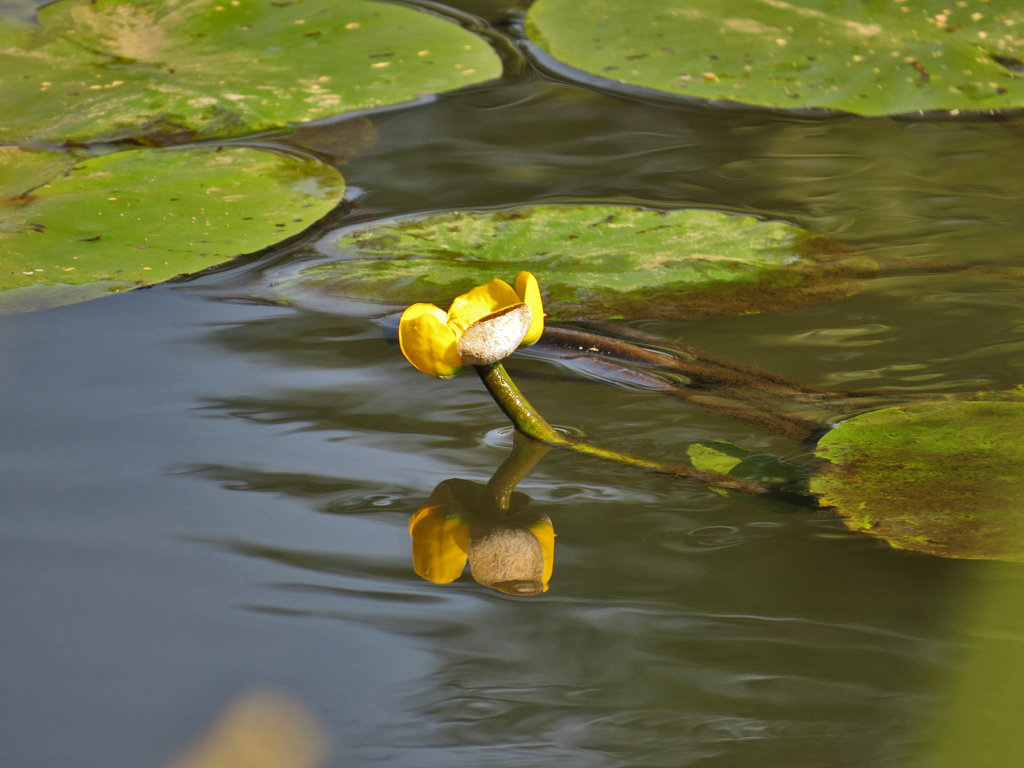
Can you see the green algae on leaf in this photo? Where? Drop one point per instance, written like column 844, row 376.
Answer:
column 592, row 261
column 143, row 216
column 942, row 477
column 873, row 57
column 172, row 70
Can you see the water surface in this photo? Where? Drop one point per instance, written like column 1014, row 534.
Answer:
column 204, row 493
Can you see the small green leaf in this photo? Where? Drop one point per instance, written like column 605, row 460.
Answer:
column 943, row 477
column 731, row 459
column 172, row 71
column 592, row 262
column 870, row 57
column 143, row 216
column 708, row 457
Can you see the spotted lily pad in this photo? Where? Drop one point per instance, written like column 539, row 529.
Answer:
column 943, row 477
column 184, row 69
column 142, row 216
column 592, row 261
column 870, row 57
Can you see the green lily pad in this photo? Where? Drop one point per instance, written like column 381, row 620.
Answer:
column 26, row 169
column 592, row 261
column 942, row 477
column 143, row 216
column 173, row 71
column 870, row 57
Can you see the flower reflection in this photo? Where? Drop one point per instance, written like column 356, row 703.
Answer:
column 508, row 546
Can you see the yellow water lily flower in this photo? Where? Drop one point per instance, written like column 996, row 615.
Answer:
column 482, row 326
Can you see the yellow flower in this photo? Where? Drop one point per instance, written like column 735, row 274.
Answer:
column 481, row 327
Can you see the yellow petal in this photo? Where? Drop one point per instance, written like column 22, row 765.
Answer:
column 439, row 544
column 545, row 534
column 427, row 342
column 480, row 302
column 528, row 290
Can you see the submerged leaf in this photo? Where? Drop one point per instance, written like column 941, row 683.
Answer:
column 143, row 216
column 593, row 262
column 872, row 57
column 730, row 459
column 712, row 458
column 942, row 477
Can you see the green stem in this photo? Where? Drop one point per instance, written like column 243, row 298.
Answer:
column 526, row 452
column 526, row 419
column 737, row 390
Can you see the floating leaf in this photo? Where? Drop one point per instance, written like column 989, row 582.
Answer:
column 713, row 457
column 943, row 477
column 200, row 68
column 24, row 170
column 592, row 261
column 142, row 216
column 730, row 459
column 872, row 57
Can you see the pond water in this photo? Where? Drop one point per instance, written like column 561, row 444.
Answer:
column 205, row 493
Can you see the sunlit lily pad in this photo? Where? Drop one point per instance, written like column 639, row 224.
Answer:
column 871, row 57
column 142, row 216
column 170, row 71
column 26, row 169
column 592, row 261
column 943, row 477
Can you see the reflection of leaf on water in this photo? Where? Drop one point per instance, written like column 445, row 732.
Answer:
column 317, row 561
column 339, row 141
column 942, row 477
column 869, row 58
column 595, row 261
column 980, row 707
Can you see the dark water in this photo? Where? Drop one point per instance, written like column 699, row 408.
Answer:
column 203, row 494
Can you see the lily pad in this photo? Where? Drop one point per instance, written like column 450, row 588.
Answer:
column 872, row 57
column 173, row 71
column 592, row 261
column 942, row 477
column 26, row 169
column 143, row 216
